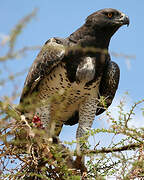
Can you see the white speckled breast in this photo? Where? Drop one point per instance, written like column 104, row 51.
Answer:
column 64, row 96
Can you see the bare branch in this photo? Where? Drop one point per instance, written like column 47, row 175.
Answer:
column 111, row 150
column 14, row 35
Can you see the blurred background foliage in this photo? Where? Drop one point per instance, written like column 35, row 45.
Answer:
column 26, row 157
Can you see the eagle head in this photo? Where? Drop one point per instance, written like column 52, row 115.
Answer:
column 107, row 17
column 107, row 20
column 99, row 28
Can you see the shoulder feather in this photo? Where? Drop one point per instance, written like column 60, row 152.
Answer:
column 50, row 55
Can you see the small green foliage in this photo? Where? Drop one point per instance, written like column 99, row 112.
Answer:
column 19, row 27
column 26, row 152
column 74, row 178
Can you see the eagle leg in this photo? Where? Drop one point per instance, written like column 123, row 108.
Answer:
column 87, row 112
column 43, row 112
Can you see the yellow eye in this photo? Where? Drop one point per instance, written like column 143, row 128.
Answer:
column 110, row 15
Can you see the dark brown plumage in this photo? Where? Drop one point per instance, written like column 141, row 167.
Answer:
column 69, row 76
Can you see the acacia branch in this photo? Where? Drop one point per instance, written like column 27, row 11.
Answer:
column 20, row 52
column 9, row 110
column 16, row 31
column 131, row 111
column 111, row 150
column 121, row 55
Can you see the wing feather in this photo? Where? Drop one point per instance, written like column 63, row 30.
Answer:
column 108, row 86
column 50, row 55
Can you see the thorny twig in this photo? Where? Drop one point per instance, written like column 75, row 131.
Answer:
column 14, row 35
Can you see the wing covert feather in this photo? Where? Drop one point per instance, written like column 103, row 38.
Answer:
column 50, row 55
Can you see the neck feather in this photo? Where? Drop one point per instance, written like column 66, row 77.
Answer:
column 90, row 37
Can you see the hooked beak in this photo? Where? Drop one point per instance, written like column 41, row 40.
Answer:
column 124, row 20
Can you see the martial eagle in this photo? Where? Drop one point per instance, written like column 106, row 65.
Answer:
column 69, row 76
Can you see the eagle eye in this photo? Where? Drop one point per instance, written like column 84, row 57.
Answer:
column 110, row 14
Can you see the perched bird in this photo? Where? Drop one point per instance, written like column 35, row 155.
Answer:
column 69, row 76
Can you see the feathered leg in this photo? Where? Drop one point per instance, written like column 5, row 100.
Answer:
column 87, row 112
